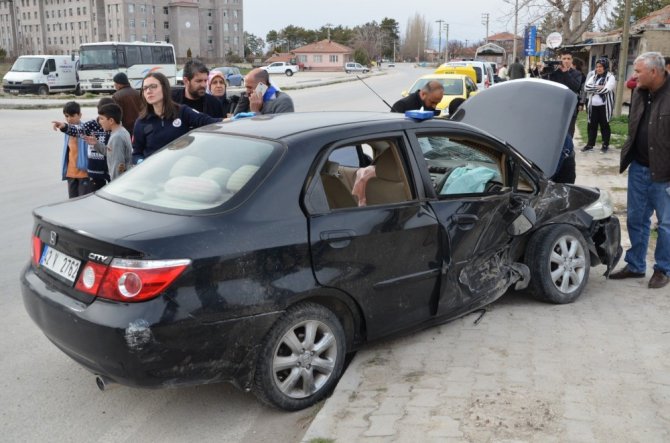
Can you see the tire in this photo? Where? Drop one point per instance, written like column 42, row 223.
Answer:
column 553, row 249
column 43, row 90
column 78, row 91
column 348, row 72
column 289, row 73
column 287, row 361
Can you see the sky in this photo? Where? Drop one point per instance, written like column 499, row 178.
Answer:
column 464, row 17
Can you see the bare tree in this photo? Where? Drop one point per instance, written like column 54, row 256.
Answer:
column 570, row 17
column 416, row 38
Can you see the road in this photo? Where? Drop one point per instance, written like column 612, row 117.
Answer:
column 48, row 397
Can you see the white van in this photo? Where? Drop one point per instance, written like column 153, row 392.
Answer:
column 484, row 71
column 42, row 74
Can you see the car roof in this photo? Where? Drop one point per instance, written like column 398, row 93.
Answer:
column 280, row 126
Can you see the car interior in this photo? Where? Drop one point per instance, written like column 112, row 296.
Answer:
column 373, row 173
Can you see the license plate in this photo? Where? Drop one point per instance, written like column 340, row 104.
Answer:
column 59, row 263
column 14, row 91
column 96, row 85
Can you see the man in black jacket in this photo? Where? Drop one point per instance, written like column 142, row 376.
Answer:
column 428, row 97
column 194, row 95
column 646, row 155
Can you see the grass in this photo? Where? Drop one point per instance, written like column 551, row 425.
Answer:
column 618, row 125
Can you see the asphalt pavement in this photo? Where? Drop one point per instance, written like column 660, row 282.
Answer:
column 305, row 79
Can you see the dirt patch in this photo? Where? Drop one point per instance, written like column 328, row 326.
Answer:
column 510, row 414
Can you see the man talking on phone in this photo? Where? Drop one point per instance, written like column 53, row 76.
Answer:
column 262, row 97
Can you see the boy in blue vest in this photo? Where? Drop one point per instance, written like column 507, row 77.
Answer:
column 74, row 161
column 97, row 165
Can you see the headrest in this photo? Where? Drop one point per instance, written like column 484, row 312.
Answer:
column 386, row 166
column 240, row 177
column 331, row 168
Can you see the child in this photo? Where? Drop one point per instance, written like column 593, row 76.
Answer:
column 74, row 161
column 97, row 166
column 119, row 148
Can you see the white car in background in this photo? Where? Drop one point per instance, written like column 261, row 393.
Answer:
column 281, row 68
column 355, row 67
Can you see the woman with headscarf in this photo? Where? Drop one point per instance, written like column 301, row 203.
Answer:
column 599, row 87
column 216, row 86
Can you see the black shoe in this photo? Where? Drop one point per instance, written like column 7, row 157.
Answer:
column 658, row 280
column 604, row 149
column 587, row 148
column 625, row 273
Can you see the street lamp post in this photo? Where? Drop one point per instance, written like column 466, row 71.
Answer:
column 446, row 44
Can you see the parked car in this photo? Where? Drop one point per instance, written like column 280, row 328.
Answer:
column 455, row 85
column 232, row 75
column 281, row 68
column 43, row 75
column 355, row 67
column 484, row 71
column 247, row 251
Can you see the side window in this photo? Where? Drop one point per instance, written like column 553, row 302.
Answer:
column 51, row 65
column 366, row 174
column 461, row 166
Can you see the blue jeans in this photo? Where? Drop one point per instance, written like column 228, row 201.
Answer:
column 645, row 196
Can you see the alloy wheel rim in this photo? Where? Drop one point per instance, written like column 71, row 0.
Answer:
column 304, row 359
column 567, row 264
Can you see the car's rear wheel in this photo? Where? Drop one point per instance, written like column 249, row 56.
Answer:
column 289, row 73
column 559, row 262
column 301, row 358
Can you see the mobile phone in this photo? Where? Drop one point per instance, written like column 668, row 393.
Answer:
column 261, row 88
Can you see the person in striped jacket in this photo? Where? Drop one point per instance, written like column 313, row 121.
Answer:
column 600, row 87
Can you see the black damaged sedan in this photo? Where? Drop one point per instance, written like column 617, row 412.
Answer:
column 262, row 251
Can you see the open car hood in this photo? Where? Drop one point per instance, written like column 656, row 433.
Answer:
column 532, row 115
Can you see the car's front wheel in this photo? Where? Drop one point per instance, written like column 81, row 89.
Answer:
column 289, row 73
column 559, row 262
column 301, row 358
column 43, row 90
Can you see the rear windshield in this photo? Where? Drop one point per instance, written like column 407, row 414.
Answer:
column 452, row 86
column 196, row 172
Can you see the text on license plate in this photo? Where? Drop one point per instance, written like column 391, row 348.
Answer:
column 60, row 263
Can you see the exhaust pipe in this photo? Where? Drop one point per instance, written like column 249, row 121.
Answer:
column 103, row 383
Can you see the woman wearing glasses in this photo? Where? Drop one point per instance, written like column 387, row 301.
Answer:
column 162, row 120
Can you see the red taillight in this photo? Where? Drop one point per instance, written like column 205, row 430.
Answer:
column 36, row 250
column 91, row 278
column 139, row 280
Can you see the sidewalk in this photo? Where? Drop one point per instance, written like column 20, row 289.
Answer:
column 300, row 80
column 593, row 371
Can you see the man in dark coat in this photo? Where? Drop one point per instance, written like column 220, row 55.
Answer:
column 646, row 155
column 428, row 97
column 128, row 99
column 516, row 70
column 194, row 95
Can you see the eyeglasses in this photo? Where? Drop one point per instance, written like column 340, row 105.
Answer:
column 151, row 86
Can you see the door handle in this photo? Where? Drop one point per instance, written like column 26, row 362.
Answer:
column 338, row 239
column 465, row 221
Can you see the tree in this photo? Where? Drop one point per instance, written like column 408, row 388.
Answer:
column 369, row 37
column 390, row 37
column 416, row 38
column 253, row 46
column 561, row 14
column 272, row 39
column 361, row 56
column 638, row 10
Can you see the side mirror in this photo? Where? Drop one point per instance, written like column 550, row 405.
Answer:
column 523, row 223
column 45, row 70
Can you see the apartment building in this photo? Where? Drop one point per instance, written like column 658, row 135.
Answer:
column 208, row 28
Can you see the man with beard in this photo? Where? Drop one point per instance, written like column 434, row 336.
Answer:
column 194, row 95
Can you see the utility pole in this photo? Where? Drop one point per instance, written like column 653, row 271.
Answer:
column 623, row 60
column 516, row 29
column 446, row 44
column 485, row 21
column 439, row 37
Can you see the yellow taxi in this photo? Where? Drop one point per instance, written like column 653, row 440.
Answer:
column 455, row 85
